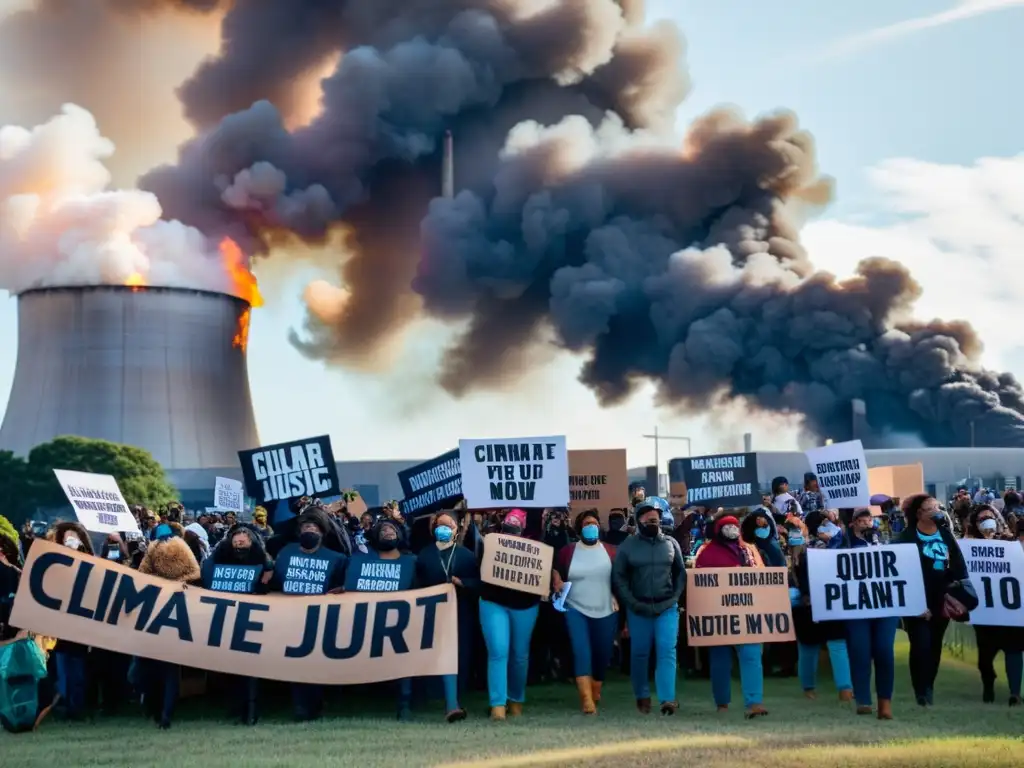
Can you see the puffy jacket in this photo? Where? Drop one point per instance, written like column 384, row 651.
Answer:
column 649, row 574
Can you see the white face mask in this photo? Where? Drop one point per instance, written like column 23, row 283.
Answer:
column 731, row 531
column 987, row 526
column 72, row 542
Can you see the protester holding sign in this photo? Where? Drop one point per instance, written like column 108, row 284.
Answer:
column 507, row 618
column 947, row 588
column 649, row 577
column 72, row 658
column 986, row 524
column 170, row 558
column 726, row 550
column 448, row 563
column 591, row 611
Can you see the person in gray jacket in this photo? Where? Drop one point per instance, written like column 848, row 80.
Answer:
column 648, row 577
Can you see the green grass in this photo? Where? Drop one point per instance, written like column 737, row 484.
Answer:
column 958, row 732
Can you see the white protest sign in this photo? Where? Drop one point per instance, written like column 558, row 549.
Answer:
column 227, row 495
column 97, row 501
column 515, row 472
column 842, row 473
column 866, row 582
column 997, row 573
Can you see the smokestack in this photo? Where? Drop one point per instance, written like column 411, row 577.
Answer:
column 859, row 426
column 448, row 167
column 160, row 368
column 748, row 442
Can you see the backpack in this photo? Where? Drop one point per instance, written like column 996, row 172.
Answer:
column 22, row 667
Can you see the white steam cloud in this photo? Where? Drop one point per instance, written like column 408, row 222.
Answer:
column 62, row 225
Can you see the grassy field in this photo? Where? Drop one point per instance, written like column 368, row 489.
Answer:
column 958, row 732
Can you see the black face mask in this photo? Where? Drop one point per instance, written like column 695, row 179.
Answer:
column 617, row 524
column 387, row 546
column 309, row 540
column 512, row 530
column 650, row 530
column 241, row 553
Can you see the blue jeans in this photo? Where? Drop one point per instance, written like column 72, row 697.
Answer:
column 808, row 664
column 507, row 633
column 662, row 631
column 71, row 681
column 451, row 692
column 592, row 642
column 870, row 641
column 751, row 673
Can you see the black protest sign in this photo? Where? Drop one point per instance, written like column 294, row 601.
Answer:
column 290, row 470
column 370, row 573
column 233, row 578
column 726, row 480
column 431, row 486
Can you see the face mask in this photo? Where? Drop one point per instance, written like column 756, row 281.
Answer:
column 241, row 553
column 762, row 533
column 113, row 554
column 590, row 533
column 617, row 524
column 510, row 529
column 938, row 517
column 385, row 545
column 309, row 540
column 72, row 542
column 731, row 532
column 443, row 533
column 650, row 530
column 987, row 525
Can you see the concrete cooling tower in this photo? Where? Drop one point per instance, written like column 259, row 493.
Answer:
column 159, row 368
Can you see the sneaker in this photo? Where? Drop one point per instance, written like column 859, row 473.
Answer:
column 669, row 707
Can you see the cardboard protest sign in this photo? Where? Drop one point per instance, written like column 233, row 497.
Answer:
column 598, row 480
column 732, row 606
column 97, row 501
column 325, row 639
column 431, row 486
column 866, row 583
column 726, row 480
column 896, row 482
column 515, row 472
column 290, row 470
column 517, row 563
column 228, row 495
column 997, row 573
column 370, row 573
column 842, row 472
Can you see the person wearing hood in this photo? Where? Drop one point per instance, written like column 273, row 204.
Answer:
column 759, row 528
column 811, row 499
column 239, row 564
column 870, row 642
column 986, row 523
column 649, row 576
column 944, row 571
column 308, row 566
column 507, row 618
column 198, row 541
column 616, row 533
column 812, row 635
column 72, row 658
column 591, row 611
column 448, row 563
column 726, row 549
column 167, row 557
column 259, row 519
column 782, row 498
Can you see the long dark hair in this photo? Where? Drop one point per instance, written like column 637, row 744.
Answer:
column 912, row 507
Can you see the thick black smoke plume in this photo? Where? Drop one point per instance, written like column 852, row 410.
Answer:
column 677, row 264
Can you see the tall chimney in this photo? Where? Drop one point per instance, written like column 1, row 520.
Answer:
column 748, row 442
column 448, row 167
column 859, row 419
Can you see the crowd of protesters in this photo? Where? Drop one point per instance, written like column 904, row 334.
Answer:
column 627, row 570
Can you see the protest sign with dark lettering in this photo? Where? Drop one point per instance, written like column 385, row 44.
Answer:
column 372, row 573
column 97, row 501
column 431, row 486
column 726, row 480
column 997, row 574
column 327, row 640
column 228, row 495
column 599, row 480
column 866, row 583
column 517, row 563
column 515, row 472
column 842, row 472
column 732, row 606
column 290, row 470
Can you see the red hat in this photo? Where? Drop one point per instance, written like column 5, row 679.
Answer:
column 724, row 521
column 515, row 517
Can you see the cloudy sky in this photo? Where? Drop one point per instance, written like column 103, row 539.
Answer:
column 916, row 111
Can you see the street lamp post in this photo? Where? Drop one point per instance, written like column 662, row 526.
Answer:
column 657, row 438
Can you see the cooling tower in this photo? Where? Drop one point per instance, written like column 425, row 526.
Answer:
column 163, row 369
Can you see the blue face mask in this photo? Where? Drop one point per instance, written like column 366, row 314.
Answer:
column 762, row 533
column 876, row 523
column 590, row 533
column 443, row 533
column 794, row 596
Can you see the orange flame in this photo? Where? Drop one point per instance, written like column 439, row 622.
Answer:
column 243, row 285
column 135, row 281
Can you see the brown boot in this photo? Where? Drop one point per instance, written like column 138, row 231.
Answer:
column 669, row 707
column 757, row 710
column 584, row 685
column 497, row 713
column 644, row 706
column 515, row 708
column 595, row 689
column 846, row 695
column 884, row 709
column 865, row 710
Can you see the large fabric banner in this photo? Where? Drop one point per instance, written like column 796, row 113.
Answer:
column 331, row 639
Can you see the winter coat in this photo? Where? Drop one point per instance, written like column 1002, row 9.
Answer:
column 649, row 574
column 171, row 559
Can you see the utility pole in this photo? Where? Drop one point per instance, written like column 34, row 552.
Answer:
column 972, row 433
column 657, row 438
